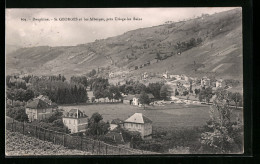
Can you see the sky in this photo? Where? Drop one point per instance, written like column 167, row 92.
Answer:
column 31, row 33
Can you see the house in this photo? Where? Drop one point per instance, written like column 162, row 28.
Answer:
column 111, row 75
column 128, row 99
column 39, row 109
column 145, row 75
column 102, row 100
column 75, row 120
column 205, row 82
column 220, row 83
column 116, row 123
column 184, row 77
column 166, row 75
column 137, row 96
column 140, row 123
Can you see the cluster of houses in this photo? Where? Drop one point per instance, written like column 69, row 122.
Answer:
column 42, row 108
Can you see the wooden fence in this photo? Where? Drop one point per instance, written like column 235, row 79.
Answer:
column 72, row 142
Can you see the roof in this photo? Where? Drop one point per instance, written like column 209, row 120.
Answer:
column 138, row 118
column 75, row 113
column 117, row 121
column 38, row 104
column 116, row 136
column 44, row 98
column 129, row 97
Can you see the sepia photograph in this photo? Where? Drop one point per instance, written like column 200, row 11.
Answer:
column 123, row 81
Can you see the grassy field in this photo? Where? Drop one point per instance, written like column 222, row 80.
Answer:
column 168, row 116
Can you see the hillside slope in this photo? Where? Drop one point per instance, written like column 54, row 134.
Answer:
column 219, row 54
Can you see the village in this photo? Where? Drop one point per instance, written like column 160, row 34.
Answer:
column 180, row 90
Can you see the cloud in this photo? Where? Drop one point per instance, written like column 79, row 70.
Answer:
column 62, row 33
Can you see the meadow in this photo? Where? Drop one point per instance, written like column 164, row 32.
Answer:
column 170, row 116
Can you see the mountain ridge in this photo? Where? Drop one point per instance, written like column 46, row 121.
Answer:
column 219, row 53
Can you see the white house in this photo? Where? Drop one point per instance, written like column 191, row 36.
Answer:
column 140, row 123
column 220, row 83
column 75, row 120
column 137, row 96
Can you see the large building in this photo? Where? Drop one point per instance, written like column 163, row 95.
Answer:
column 75, row 120
column 39, row 109
column 140, row 123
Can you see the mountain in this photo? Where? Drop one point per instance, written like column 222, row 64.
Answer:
column 207, row 45
column 11, row 48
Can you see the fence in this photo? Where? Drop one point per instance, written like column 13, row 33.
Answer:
column 72, row 142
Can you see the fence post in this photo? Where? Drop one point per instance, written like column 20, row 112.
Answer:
column 119, row 149
column 81, row 143
column 13, row 125
column 93, row 146
column 106, row 149
column 35, row 132
column 98, row 147
column 23, row 127
column 63, row 140
column 44, row 135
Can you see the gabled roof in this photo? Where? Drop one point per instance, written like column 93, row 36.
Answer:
column 44, row 98
column 38, row 104
column 75, row 113
column 117, row 121
column 138, row 118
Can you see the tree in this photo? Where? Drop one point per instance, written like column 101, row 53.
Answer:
column 96, row 126
column 29, row 94
column 237, row 98
column 176, row 92
column 17, row 113
column 144, row 99
column 10, row 94
column 164, row 92
column 138, row 88
column 158, row 56
column 155, row 88
column 197, row 91
column 222, row 135
column 206, row 94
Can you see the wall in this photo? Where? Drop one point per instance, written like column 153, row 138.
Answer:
column 75, row 124
column 71, row 123
column 135, row 101
column 135, row 127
